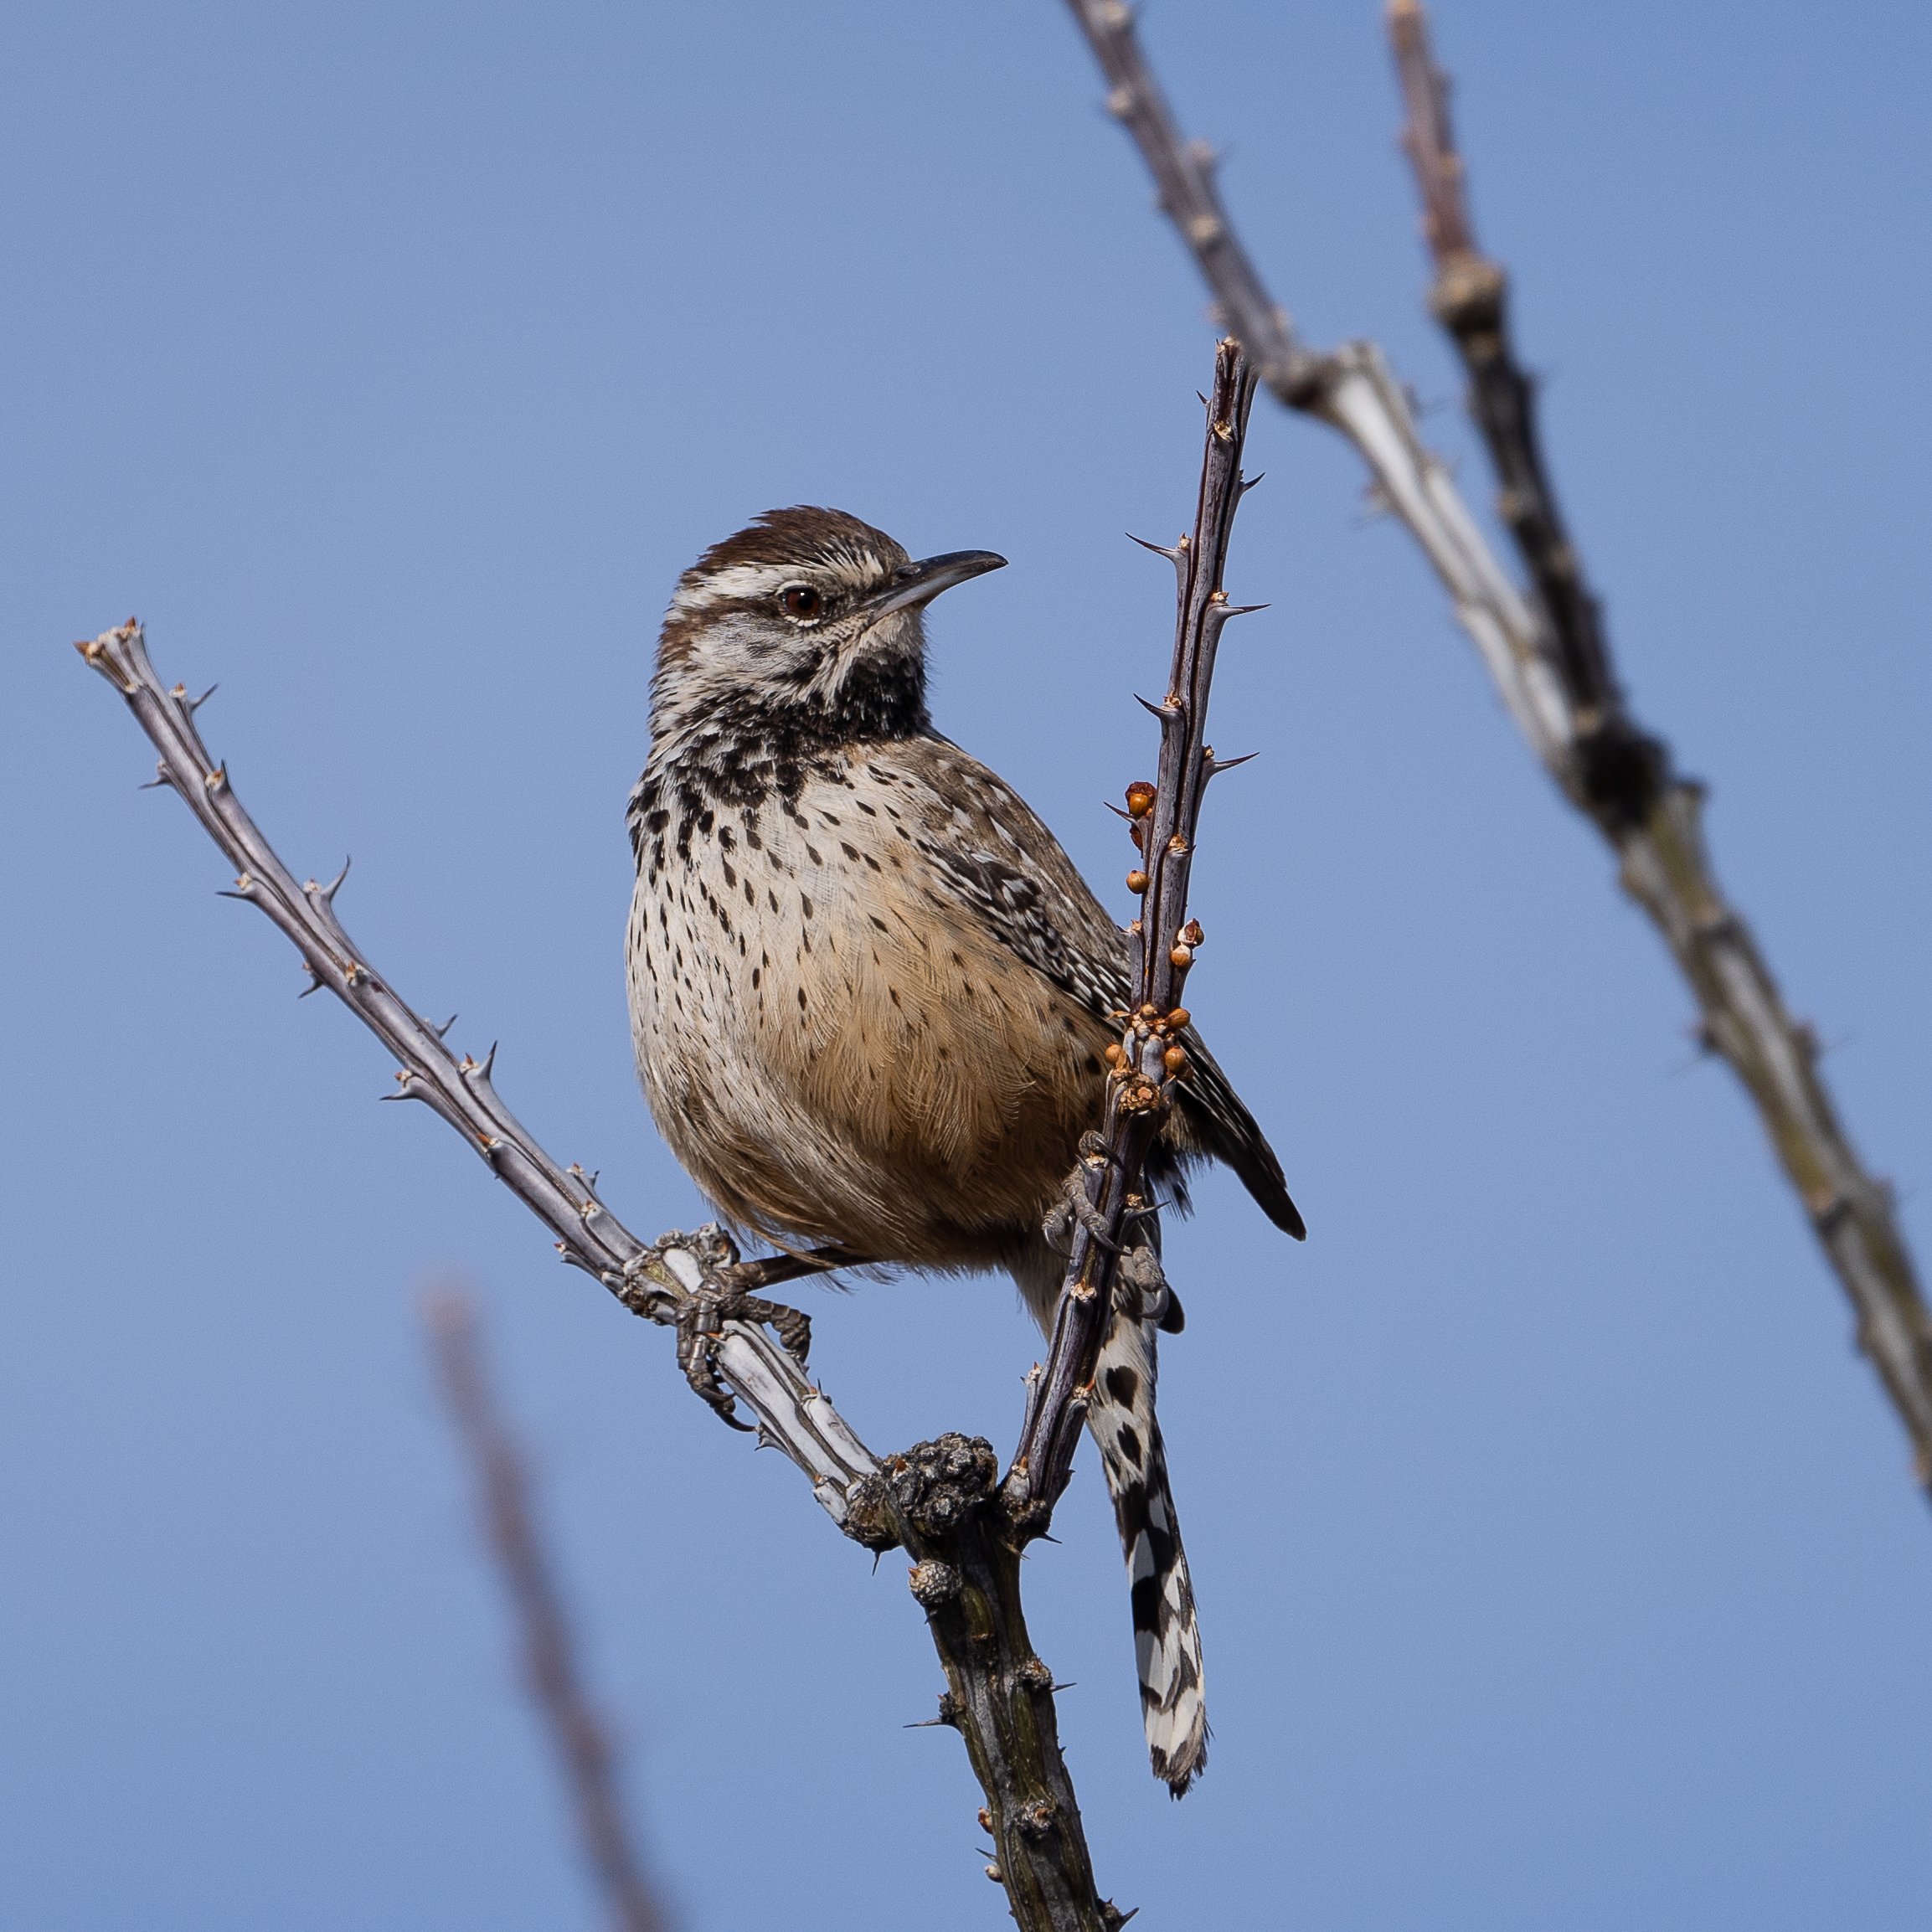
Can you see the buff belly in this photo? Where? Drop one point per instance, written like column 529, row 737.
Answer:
column 834, row 1054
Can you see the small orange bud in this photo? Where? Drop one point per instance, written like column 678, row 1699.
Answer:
column 1191, row 933
column 1115, row 1053
column 1182, row 955
column 1175, row 1061
column 1140, row 799
column 1137, row 882
column 1178, row 1018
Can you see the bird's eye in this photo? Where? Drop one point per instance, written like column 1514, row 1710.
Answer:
column 801, row 601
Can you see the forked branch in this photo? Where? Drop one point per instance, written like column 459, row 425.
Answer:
column 1549, row 658
column 937, row 1501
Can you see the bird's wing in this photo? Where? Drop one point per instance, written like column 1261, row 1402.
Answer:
column 991, row 856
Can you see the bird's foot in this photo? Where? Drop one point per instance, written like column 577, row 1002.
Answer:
column 721, row 1294
column 1141, row 1293
column 1072, row 1209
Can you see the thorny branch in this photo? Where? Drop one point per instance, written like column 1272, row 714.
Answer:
column 1149, row 1057
column 657, row 1280
column 583, row 1744
column 1546, row 652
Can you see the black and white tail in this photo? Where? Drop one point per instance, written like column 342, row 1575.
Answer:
column 1166, row 1636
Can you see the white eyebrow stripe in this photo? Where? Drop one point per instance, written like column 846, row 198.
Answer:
column 736, row 580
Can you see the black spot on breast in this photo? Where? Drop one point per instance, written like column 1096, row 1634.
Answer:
column 805, row 901
column 811, row 852
column 1124, row 1385
column 850, row 851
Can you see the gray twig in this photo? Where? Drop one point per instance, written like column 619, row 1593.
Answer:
column 1549, row 658
column 1149, row 1057
column 655, row 1279
column 551, row 1674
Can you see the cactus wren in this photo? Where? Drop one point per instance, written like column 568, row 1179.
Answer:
column 870, row 995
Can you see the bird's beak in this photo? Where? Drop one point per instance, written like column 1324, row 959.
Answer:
column 912, row 585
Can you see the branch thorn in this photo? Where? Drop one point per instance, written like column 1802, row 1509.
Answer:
column 327, row 894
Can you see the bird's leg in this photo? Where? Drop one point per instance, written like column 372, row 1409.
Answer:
column 769, row 1271
column 793, row 1325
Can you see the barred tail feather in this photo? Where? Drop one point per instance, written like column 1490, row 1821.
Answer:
column 1167, row 1635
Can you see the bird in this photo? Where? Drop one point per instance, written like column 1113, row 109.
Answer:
column 870, row 996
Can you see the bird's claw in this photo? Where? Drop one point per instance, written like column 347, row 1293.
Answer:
column 1071, row 1208
column 700, row 1322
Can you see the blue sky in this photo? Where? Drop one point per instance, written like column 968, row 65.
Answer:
column 1559, row 1562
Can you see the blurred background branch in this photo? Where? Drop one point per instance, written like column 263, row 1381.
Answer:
column 1548, row 653
column 552, row 1672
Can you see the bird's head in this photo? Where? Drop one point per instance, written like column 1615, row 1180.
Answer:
column 808, row 618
